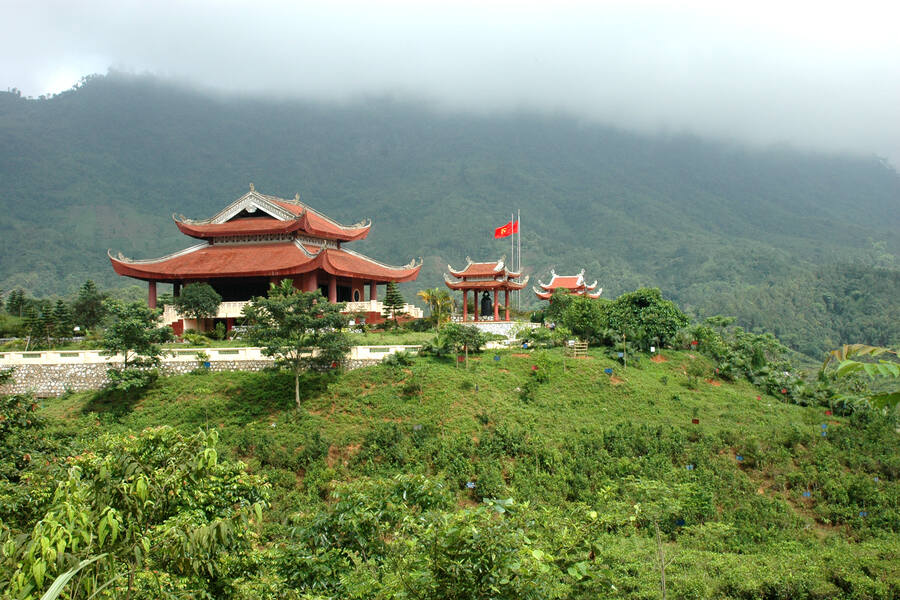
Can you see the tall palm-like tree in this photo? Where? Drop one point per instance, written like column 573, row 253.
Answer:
column 440, row 302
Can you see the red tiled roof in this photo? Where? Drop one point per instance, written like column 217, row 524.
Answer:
column 321, row 226
column 483, row 269
column 259, row 260
column 246, row 226
column 493, row 284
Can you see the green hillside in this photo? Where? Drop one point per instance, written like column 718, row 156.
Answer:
column 378, row 483
column 711, row 223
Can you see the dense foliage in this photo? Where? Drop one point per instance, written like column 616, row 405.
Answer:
column 464, row 487
column 157, row 515
column 719, row 228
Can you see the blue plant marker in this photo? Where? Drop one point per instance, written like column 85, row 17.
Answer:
column 607, row 371
column 525, row 345
column 496, row 358
column 680, row 522
column 739, row 458
column 206, row 365
column 806, row 494
column 876, row 479
column 621, row 354
column 470, row 485
column 824, row 434
column 864, row 513
column 690, row 467
column 824, row 425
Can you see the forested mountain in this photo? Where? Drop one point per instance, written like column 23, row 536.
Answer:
column 719, row 227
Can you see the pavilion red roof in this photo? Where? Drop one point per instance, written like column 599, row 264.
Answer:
column 483, row 269
column 491, row 284
column 206, row 261
column 275, row 216
column 245, row 226
column 574, row 284
column 483, row 276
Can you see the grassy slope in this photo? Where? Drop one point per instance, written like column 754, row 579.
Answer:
column 761, row 536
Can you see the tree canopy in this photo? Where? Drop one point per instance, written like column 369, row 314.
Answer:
column 301, row 330
column 198, row 301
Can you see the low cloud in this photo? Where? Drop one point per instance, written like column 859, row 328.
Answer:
column 809, row 75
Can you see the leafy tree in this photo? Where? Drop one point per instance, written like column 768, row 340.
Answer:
column 841, row 364
column 455, row 338
column 198, row 301
column 135, row 333
column 393, row 302
column 88, row 308
column 300, row 329
column 582, row 315
column 440, row 302
column 646, row 316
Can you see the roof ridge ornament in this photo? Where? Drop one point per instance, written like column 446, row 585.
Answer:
column 252, row 189
column 296, row 197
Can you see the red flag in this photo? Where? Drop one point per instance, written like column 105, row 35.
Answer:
column 507, row 230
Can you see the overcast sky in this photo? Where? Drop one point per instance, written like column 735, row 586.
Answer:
column 817, row 75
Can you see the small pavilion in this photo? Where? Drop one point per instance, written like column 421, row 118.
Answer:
column 487, row 278
column 573, row 284
column 260, row 239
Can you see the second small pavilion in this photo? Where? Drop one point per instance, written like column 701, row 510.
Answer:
column 488, row 278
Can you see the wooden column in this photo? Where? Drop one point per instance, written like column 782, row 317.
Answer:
column 496, row 307
column 151, row 294
column 332, row 289
column 507, row 304
column 465, row 305
column 176, row 290
column 373, row 290
column 476, row 304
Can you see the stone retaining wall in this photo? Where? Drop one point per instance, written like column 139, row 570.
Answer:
column 46, row 380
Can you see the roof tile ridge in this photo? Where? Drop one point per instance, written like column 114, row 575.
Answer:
column 143, row 261
column 309, row 254
column 410, row 265
column 367, row 222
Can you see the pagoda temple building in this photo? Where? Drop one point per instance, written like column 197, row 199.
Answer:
column 488, row 278
column 573, row 284
column 260, row 239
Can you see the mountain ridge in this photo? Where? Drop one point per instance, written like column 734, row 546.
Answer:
column 109, row 162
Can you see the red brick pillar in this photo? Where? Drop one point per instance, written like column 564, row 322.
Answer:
column 506, row 297
column 332, row 289
column 229, row 323
column 373, row 290
column 151, row 294
column 311, row 282
column 465, row 305
column 496, row 306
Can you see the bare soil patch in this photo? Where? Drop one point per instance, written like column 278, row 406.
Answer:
column 714, row 382
column 659, row 358
column 521, row 355
column 616, row 380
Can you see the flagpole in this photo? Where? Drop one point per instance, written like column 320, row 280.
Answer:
column 512, row 248
column 519, row 228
